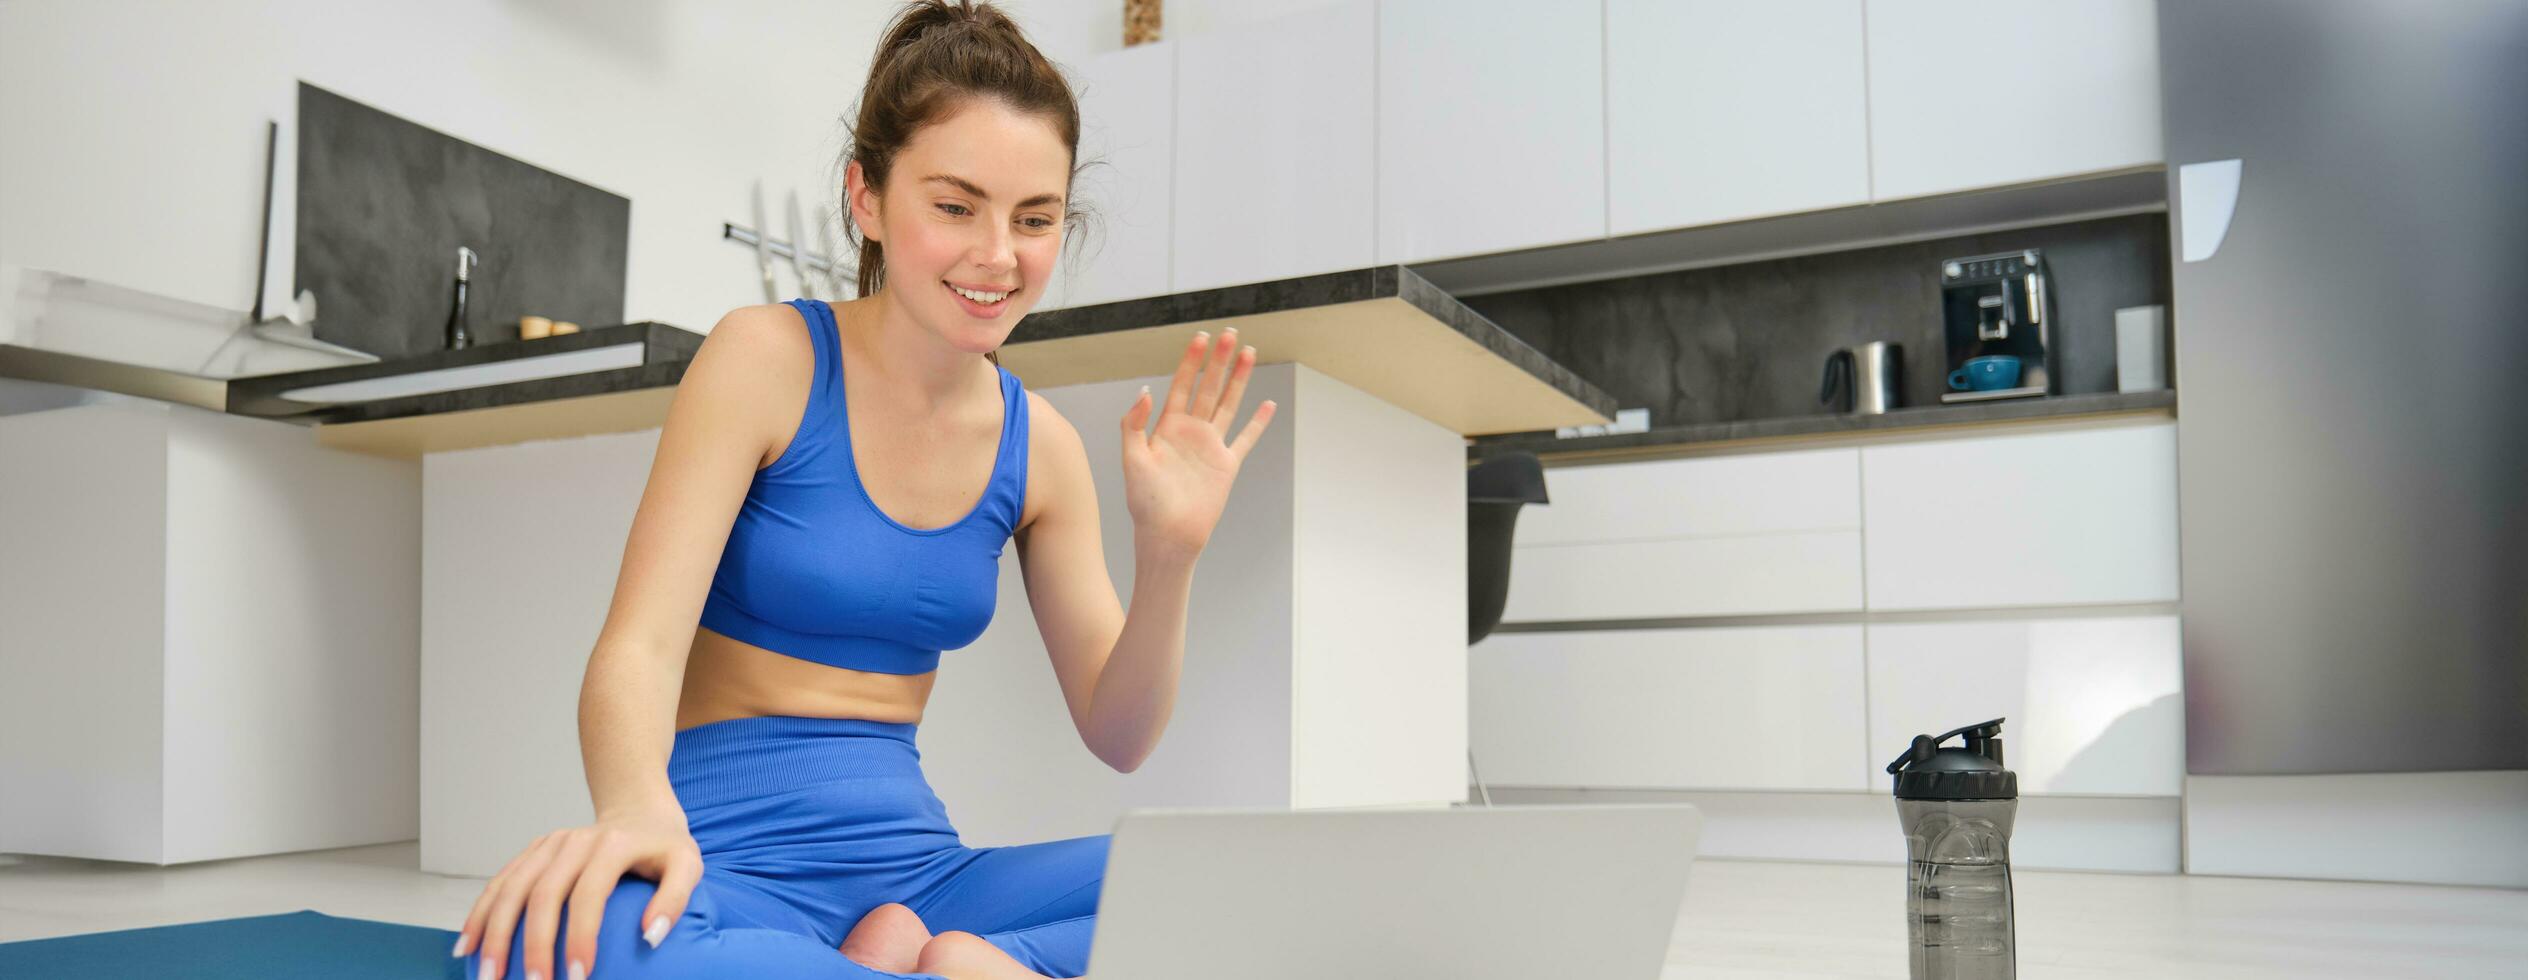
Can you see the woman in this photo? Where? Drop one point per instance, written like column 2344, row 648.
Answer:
column 812, row 537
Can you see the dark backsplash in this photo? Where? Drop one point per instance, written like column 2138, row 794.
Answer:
column 1749, row 341
column 383, row 203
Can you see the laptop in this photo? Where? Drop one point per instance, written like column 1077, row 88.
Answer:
column 1560, row 890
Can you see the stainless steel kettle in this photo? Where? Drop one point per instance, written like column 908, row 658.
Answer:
column 1864, row 380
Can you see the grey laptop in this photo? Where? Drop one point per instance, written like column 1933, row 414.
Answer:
column 1562, row 890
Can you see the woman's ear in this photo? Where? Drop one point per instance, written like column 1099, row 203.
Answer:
column 862, row 201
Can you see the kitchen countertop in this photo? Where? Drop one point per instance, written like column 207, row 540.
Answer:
column 1806, row 430
column 1383, row 330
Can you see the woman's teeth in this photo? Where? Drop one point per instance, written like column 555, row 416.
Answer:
column 986, row 299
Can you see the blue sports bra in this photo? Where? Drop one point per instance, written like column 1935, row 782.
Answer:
column 813, row 569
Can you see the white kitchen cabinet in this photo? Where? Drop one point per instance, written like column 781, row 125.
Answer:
column 2009, row 91
column 1276, row 148
column 2074, row 517
column 1719, row 110
column 1757, row 493
column 1743, row 575
column 1491, row 127
column 1774, row 707
column 2092, row 705
column 1719, row 536
column 1127, row 122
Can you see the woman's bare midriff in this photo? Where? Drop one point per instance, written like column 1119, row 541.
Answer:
column 728, row 678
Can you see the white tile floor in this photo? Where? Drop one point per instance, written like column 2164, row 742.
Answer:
column 1742, row 918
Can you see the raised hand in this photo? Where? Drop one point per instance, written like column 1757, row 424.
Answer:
column 1177, row 473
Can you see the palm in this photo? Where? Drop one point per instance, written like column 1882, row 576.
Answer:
column 1177, row 473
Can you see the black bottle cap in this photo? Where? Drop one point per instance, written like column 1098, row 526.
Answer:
column 1928, row 771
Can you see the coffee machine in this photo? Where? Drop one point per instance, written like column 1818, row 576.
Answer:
column 1997, row 310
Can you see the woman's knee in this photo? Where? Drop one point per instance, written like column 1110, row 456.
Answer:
column 957, row 952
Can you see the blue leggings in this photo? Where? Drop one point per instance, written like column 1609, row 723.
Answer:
column 805, row 825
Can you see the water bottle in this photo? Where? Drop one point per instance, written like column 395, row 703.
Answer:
column 1956, row 804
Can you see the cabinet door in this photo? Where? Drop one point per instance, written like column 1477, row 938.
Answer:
column 1276, row 147
column 1127, row 119
column 2009, row 91
column 1719, row 110
column 1729, row 535
column 2041, row 519
column 2092, row 705
column 1491, row 127
column 1773, row 707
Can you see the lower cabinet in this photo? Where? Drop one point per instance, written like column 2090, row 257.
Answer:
column 2093, row 705
column 1767, row 707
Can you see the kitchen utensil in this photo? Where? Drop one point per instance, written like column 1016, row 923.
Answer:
column 1865, row 380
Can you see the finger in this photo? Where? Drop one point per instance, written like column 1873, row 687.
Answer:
column 675, row 887
column 1136, row 420
column 1183, row 383
column 588, row 907
column 476, row 917
column 513, row 897
column 544, row 902
column 1227, row 412
column 1215, row 372
column 1254, row 430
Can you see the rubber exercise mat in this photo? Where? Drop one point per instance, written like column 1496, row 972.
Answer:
column 302, row 945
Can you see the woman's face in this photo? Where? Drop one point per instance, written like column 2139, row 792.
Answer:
column 975, row 202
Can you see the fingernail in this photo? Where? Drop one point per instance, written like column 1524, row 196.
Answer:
column 534, row 974
column 578, row 972
column 656, row 931
column 459, row 948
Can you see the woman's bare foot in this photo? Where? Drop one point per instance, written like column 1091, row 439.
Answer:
column 891, row 938
column 966, row 956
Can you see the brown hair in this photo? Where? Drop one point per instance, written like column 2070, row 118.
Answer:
column 934, row 54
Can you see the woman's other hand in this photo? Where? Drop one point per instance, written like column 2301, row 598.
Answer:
column 1177, row 474
column 581, row 864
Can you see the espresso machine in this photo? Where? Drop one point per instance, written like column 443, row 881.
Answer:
column 1996, row 310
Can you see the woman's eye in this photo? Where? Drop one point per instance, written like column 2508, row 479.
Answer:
column 958, row 209
column 1039, row 223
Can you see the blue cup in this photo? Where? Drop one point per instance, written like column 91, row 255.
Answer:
column 1988, row 373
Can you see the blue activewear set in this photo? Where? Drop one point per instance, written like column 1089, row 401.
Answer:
column 806, row 824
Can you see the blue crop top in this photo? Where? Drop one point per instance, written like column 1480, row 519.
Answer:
column 813, row 569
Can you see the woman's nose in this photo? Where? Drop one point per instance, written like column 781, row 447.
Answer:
column 995, row 252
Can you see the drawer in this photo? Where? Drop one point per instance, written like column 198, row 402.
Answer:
column 1809, row 490
column 1775, row 707
column 2057, row 518
column 2094, row 705
column 1818, row 571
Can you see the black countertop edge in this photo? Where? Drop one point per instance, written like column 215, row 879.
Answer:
column 666, row 349
column 1302, row 292
column 1546, row 446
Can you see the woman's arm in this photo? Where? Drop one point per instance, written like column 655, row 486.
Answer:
column 719, row 428
column 1119, row 671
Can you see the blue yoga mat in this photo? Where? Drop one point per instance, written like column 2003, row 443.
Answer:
column 303, row 945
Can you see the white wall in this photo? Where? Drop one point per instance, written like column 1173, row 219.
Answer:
column 131, row 133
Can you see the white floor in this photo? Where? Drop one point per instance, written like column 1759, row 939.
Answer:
column 1742, row 918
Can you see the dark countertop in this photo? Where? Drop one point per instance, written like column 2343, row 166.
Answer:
column 1751, row 433
column 666, row 349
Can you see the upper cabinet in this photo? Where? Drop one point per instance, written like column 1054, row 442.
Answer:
column 1720, row 110
column 1127, row 115
column 1491, row 127
column 1276, row 149
column 2012, row 91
